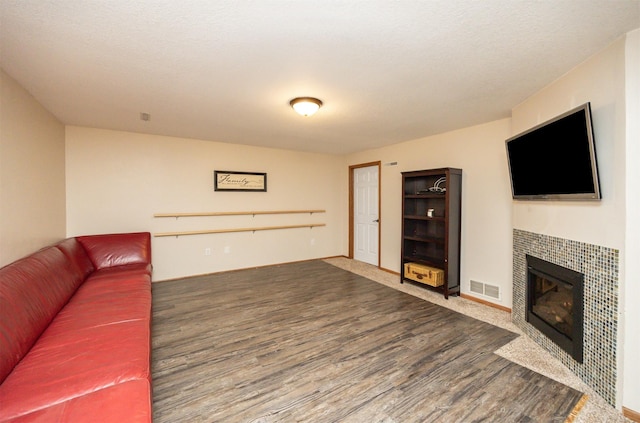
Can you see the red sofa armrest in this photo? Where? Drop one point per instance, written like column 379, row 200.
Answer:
column 112, row 250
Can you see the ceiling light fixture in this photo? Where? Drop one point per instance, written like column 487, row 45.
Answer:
column 306, row 106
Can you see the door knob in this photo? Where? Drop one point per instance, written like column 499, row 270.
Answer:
column 376, row 221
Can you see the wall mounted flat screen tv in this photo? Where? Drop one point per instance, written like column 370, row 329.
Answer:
column 555, row 160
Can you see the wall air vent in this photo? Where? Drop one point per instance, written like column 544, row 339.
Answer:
column 485, row 289
column 477, row 287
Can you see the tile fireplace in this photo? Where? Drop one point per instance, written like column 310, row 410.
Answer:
column 599, row 267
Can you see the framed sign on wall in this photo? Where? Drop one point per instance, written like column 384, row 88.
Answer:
column 225, row 180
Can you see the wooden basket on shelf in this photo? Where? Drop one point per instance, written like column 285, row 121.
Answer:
column 424, row 274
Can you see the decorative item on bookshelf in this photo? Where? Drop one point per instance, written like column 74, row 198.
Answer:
column 424, row 274
column 437, row 186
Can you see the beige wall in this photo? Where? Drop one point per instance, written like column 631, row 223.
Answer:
column 32, row 180
column 486, row 198
column 601, row 81
column 117, row 181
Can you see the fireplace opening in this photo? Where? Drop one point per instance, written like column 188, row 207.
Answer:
column 555, row 304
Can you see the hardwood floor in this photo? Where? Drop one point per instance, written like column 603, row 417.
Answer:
column 309, row 342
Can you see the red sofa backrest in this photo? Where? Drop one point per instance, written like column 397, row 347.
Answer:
column 32, row 291
column 76, row 253
column 117, row 249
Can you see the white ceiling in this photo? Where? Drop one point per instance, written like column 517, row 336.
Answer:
column 225, row 70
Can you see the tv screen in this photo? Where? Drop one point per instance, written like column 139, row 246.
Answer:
column 555, row 160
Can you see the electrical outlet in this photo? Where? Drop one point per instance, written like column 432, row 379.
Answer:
column 207, row 251
column 227, row 249
column 313, row 241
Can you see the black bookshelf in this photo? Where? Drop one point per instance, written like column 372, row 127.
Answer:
column 431, row 223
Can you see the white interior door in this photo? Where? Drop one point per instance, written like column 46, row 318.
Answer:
column 365, row 214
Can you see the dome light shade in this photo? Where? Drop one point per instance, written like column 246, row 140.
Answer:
column 305, row 106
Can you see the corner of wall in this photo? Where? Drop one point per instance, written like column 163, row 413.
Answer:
column 32, row 173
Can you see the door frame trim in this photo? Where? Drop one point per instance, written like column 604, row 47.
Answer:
column 352, row 203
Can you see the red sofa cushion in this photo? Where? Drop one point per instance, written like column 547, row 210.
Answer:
column 71, row 364
column 117, row 249
column 32, row 292
column 100, row 338
column 122, row 271
column 121, row 403
column 104, row 302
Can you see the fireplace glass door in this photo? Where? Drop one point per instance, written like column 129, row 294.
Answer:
column 555, row 304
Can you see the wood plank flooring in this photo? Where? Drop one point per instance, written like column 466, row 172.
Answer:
column 309, row 342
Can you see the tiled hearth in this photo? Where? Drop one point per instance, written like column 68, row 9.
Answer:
column 600, row 267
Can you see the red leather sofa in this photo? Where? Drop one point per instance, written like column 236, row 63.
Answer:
column 75, row 332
